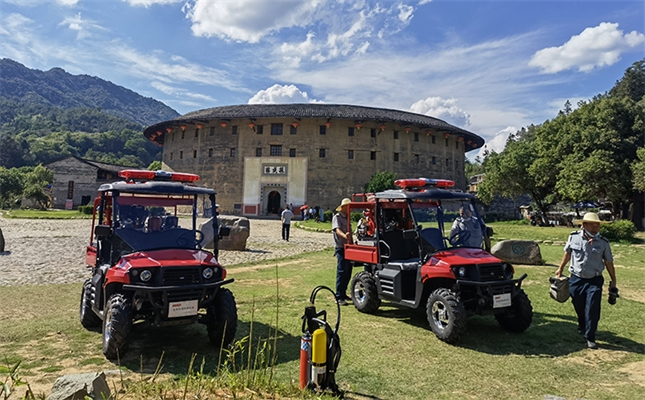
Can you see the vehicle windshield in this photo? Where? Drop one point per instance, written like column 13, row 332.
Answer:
column 151, row 222
column 449, row 223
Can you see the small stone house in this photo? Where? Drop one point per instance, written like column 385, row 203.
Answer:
column 76, row 180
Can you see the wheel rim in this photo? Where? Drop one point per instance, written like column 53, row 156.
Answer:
column 106, row 329
column 440, row 315
column 359, row 292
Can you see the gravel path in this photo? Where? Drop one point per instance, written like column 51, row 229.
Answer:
column 53, row 251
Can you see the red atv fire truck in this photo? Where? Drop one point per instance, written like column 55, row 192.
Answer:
column 147, row 263
column 411, row 260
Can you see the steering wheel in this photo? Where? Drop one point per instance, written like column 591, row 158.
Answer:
column 459, row 238
column 184, row 240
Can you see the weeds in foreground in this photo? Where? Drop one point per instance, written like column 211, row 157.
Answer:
column 13, row 380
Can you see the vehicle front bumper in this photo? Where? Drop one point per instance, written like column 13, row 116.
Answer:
column 484, row 293
column 161, row 296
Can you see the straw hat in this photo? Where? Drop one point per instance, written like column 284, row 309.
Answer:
column 591, row 217
column 345, row 202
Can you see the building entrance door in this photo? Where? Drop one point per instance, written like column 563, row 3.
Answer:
column 273, row 202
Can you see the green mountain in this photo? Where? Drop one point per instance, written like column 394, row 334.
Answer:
column 46, row 116
column 61, row 89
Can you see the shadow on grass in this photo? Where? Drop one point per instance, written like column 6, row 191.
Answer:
column 147, row 343
column 550, row 335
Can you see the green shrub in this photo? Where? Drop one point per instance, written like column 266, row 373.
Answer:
column 621, row 230
column 356, row 216
column 327, row 215
column 86, row 209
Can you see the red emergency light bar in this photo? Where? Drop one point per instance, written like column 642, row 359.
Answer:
column 422, row 182
column 144, row 175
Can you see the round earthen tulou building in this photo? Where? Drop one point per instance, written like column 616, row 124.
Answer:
column 261, row 157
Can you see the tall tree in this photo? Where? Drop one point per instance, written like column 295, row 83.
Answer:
column 382, row 180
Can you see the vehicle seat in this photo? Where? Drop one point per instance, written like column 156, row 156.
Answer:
column 152, row 224
column 170, row 221
column 434, row 237
column 400, row 248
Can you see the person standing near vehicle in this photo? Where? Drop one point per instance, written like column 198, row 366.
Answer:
column 466, row 229
column 342, row 232
column 589, row 254
column 286, row 222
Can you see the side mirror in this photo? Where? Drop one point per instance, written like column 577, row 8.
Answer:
column 102, row 231
column 224, row 231
column 489, row 231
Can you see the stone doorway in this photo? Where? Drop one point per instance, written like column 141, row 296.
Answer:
column 274, row 202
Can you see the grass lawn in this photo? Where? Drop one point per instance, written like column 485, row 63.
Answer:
column 47, row 214
column 391, row 354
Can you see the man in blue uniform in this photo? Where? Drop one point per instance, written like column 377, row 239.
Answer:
column 589, row 254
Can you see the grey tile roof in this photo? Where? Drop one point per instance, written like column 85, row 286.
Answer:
column 316, row 110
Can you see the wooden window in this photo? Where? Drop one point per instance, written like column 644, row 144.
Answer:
column 234, row 130
column 350, row 131
column 259, row 129
column 372, row 155
column 350, row 154
column 212, row 131
column 233, row 152
column 396, row 157
column 275, row 150
column 373, row 132
column 293, row 130
column 210, row 152
column 258, row 152
column 194, row 153
column 323, row 130
column 321, row 153
column 292, row 152
column 416, row 136
column 396, row 134
column 276, row 129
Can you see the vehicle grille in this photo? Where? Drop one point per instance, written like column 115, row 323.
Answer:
column 491, row 272
column 176, row 276
column 501, row 289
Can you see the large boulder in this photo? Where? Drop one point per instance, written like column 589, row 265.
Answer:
column 518, row 251
column 240, row 232
column 78, row 386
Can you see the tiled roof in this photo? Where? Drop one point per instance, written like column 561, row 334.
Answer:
column 316, row 110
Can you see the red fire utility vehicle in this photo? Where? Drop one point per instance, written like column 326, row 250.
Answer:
column 148, row 265
column 411, row 260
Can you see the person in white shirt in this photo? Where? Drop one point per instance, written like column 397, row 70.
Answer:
column 286, row 222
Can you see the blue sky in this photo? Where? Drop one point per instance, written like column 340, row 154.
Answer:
column 490, row 67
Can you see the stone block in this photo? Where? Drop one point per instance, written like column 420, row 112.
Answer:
column 77, row 386
column 518, row 251
column 240, row 232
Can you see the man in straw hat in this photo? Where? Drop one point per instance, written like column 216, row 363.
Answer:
column 342, row 231
column 589, row 254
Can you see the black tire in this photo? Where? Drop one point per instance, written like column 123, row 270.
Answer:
column 364, row 293
column 88, row 317
column 117, row 325
column 518, row 317
column 446, row 315
column 222, row 314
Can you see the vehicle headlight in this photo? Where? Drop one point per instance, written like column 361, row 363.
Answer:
column 145, row 275
column 462, row 271
column 207, row 273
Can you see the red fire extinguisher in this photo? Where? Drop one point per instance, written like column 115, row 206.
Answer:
column 305, row 360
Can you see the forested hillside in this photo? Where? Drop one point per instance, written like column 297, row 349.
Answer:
column 593, row 152
column 45, row 116
column 61, row 89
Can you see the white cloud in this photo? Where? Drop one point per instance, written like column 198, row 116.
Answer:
column 248, row 20
column 148, row 3
column 496, row 144
column 445, row 109
column 278, row 94
column 181, row 93
column 593, row 48
column 32, row 3
column 84, row 27
column 170, row 69
column 361, row 25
